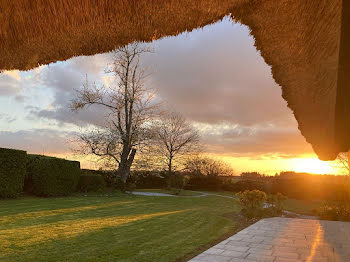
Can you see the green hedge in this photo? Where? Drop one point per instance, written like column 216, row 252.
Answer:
column 91, row 182
column 50, row 176
column 12, row 172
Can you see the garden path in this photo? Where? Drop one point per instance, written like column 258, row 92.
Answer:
column 284, row 240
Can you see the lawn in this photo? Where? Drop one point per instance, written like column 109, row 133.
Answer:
column 117, row 227
column 304, row 207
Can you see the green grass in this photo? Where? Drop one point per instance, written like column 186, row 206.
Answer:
column 304, row 207
column 113, row 227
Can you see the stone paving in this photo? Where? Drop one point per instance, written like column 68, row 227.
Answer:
column 284, row 240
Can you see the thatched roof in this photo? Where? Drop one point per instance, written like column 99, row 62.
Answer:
column 44, row 31
column 300, row 39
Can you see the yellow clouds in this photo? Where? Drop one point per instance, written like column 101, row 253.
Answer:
column 13, row 74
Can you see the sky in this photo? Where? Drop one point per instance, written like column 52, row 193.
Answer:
column 214, row 76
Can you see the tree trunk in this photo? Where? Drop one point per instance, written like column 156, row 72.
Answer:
column 125, row 164
column 170, row 163
column 349, row 162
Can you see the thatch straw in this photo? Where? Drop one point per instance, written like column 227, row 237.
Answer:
column 44, row 31
column 342, row 111
column 300, row 39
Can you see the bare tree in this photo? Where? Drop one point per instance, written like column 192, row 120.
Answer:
column 130, row 106
column 175, row 138
column 343, row 161
column 207, row 166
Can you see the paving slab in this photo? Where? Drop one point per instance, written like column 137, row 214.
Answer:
column 284, row 240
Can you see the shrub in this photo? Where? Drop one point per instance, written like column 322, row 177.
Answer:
column 244, row 185
column 204, row 183
column 252, row 202
column 129, row 187
column 110, row 178
column 338, row 207
column 52, row 176
column 275, row 204
column 178, row 181
column 12, row 172
column 148, row 179
column 91, row 182
column 251, row 175
column 334, row 212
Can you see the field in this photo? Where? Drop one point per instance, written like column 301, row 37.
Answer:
column 114, row 227
column 304, row 207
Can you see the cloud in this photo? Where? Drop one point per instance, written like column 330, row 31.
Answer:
column 64, row 79
column 217, row 75
column 7, row 118
column 37, row 140
column 212, row 75
column 14, row 74
column 257, row 139
column 8, row 85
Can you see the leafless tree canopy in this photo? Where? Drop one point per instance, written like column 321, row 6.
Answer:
column 130, row 105
column 175, row 138
column 343, row 161
column 207, row 166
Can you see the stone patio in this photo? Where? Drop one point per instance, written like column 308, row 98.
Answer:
column 284, row 240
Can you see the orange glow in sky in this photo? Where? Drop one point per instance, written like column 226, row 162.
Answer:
column 269, row 165
column 313, row 165
column 273, row 165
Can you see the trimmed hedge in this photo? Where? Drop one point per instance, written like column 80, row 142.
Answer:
column 91, row 182
column 148, row 179
column 50, row 176
column 244, row 185
column 204, row 183
column 12, row 172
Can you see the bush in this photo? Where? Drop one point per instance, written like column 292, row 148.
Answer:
column 275, row 202
column 334, row 212
column 91, row 183
column 210, row 183
column 338, row 208
column 12, row 172
column 148, row 179
column 178, row 181
column 129, row 187
column 252, row 202
column 109, row 178
column 244, row 185
column 51, row 176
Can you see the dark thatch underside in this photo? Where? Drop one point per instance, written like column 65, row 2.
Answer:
column 300, row 39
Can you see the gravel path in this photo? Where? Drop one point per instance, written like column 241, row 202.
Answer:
column 151, row 194
column 200, row 194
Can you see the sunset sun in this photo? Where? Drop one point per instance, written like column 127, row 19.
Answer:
column 312, row 165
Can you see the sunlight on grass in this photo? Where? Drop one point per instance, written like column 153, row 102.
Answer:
column 41, row 233
column 47, row 213
column 126, row 228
